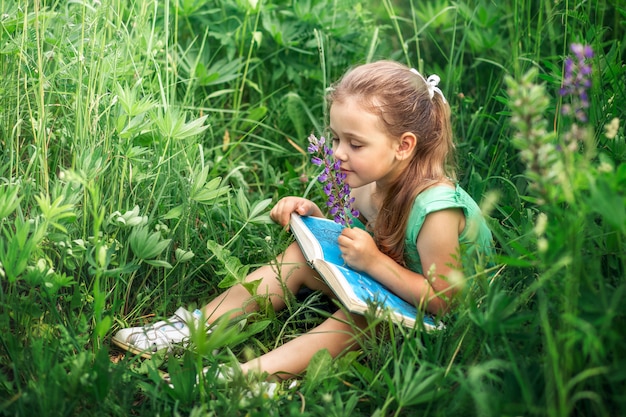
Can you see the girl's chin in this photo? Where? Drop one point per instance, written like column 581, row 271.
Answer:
column 353, row 180
column 353, row 183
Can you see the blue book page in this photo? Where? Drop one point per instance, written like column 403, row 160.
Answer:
column 367, row 288
column 326, row 232
column 363, row 286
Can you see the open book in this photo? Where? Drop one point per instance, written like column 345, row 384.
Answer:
column 356, row 290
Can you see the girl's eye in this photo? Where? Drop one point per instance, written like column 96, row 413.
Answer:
column 335, row 142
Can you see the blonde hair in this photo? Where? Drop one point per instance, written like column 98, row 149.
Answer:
column 401, row 98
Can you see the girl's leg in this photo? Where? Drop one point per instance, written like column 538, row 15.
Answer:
column 336, row 334
column 289, row 271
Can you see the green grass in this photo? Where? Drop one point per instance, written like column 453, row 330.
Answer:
column 142, row 143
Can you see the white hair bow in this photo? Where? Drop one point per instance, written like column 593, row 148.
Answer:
column 431, row 82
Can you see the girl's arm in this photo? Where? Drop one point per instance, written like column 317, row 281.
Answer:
column 438, row 247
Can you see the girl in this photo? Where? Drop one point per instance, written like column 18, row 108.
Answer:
column 391, row 131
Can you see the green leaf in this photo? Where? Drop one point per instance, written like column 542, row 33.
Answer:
column 222, row 71
column 257, row 113
column 242, row 203
column 159, row 264
column 174, row 213
column 257, row 209
column 123, row 270
column 252, row 286
column 134, row 126
column 131, row 106
column 211, row 192
column 55, row 281
column 224, row 333
column 227, row 282
column 183, row 377
column 172, row 124
column 319, row 366
column 9, row 201
column 218, row 250
column 147, row 246
column 610, row 203
column 103, row 326
column 54, row 211
column 419, row 387
column 183, row 255
column 232, row 269
column 16, row 249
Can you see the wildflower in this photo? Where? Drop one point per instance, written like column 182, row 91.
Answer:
column 542, row 244
column 610, row 130
column 339, row 201
column 541, row 224
column 577, row 81
column 535, row 143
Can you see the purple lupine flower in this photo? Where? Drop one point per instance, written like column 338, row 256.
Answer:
column 316, row 161
column 339, row 201
column 576, row 81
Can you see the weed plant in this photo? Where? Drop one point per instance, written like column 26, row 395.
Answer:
column 142, row 144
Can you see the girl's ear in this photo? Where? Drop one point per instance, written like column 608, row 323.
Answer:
column 406, row 145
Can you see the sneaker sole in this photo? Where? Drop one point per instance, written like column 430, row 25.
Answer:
column 130, row 348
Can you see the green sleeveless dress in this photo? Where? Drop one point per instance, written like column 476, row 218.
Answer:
column 475, row 241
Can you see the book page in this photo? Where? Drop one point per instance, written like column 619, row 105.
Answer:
column 367, row 289
column 326, row 232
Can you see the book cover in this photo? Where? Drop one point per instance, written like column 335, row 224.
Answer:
column 317, row 238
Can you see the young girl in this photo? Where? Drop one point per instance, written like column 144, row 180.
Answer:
column 391, row 131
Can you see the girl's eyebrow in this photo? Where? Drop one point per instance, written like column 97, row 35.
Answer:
column 354, row 137
column 348, row 135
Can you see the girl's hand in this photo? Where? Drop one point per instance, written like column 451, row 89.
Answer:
column 358, row 248
column 281, row 212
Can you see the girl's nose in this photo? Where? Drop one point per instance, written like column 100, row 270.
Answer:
column 339, row 152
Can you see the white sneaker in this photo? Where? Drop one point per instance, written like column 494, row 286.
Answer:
column 164, row 334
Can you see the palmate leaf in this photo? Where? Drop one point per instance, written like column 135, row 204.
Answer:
column 8, row 200
column 130, row 103
column 208, row 192
column 417, row 384
column 16, row 249
column 219, row 72
column 257, row 212
column 225, row 332
column 55, row 211
column 146, row 245
column 171, row 124
column 183, row 255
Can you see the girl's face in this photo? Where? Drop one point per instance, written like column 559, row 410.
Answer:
column 366, row 151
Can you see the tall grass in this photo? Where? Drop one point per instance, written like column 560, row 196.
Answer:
column 143, row 142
